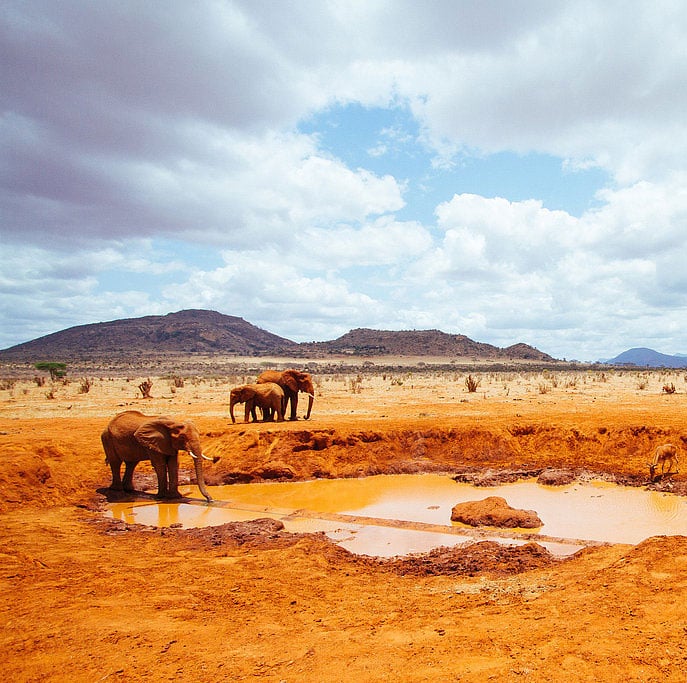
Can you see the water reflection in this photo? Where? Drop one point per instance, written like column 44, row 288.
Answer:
column 399, row 514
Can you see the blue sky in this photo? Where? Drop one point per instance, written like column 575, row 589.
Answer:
column 386, row 140
column 512, row 171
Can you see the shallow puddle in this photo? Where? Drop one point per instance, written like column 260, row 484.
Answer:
column 391, row 515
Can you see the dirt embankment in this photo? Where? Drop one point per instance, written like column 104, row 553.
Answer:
column 40, row 469
column 263, row 452
column 86, row 598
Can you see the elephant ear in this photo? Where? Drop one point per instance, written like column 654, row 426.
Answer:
column 288, row 379
column 155, row 435
column 305, row 383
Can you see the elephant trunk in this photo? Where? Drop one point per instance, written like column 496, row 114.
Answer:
column 232, row 403
column 311, row 398
column 200, row 478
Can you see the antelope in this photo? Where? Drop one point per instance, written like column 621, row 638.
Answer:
column 667, row 453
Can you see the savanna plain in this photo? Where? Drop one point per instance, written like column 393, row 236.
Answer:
column 86, row 597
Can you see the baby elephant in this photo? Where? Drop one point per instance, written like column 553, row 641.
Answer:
column 268, row 396
column 667, row 453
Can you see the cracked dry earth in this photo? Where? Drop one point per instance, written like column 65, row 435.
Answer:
column 85, row 598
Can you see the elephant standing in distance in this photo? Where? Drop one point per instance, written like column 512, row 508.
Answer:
column 268, row 396
column 131, row 437
column 291, row 381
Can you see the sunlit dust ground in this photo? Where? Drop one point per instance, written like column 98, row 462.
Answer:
column 89, row 598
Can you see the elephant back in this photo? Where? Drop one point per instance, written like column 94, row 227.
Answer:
column 274, row 389
column 273, row 376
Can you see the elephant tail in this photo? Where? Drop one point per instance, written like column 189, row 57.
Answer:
column 106, row 440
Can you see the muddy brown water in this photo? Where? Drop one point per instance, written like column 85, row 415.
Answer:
column 389, row 515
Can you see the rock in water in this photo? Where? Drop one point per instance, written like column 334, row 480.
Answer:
column 494, row 511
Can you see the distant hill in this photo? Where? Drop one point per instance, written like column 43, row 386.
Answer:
column 366, row 342
column 210, row 332
column 189, row 331
column 644, row 357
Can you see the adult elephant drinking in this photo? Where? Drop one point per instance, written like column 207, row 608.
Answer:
column 291, row 381
column 131, row 437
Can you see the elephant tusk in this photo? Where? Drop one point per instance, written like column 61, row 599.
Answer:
column 307, row 394
column 202, row 455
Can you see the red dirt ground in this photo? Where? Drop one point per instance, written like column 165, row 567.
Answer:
column 89, row 599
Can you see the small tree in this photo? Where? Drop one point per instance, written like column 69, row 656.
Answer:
column 56, row 370
column 356, row 385
column 471, row 383
column 85, row 385
column 145, row 388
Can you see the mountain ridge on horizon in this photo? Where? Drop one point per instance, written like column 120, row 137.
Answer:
column 642, row 356
column 198, row 331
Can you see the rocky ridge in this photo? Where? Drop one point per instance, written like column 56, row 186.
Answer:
column 212, row 333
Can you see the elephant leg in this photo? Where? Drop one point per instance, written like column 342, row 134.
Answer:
column 116, row 469
column 159, row 463
column 116, row 484
column 173, row 477
column 129, row 468
column 293, row 396
column 113, row 460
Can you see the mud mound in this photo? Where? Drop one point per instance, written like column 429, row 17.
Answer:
column 258, row 533
column 261, row 533
column 667, row 557
column 494, row 511
column 556, row 477
column 34, row 477
column 492, row 477
column 486, row 557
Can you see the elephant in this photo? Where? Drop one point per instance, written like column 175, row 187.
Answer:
column 132, row 436
column 291, row 381
column 268, row 396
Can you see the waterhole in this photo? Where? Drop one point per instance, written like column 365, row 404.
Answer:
column 390, row 515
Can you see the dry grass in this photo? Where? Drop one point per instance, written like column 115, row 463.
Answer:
column 368, row 391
